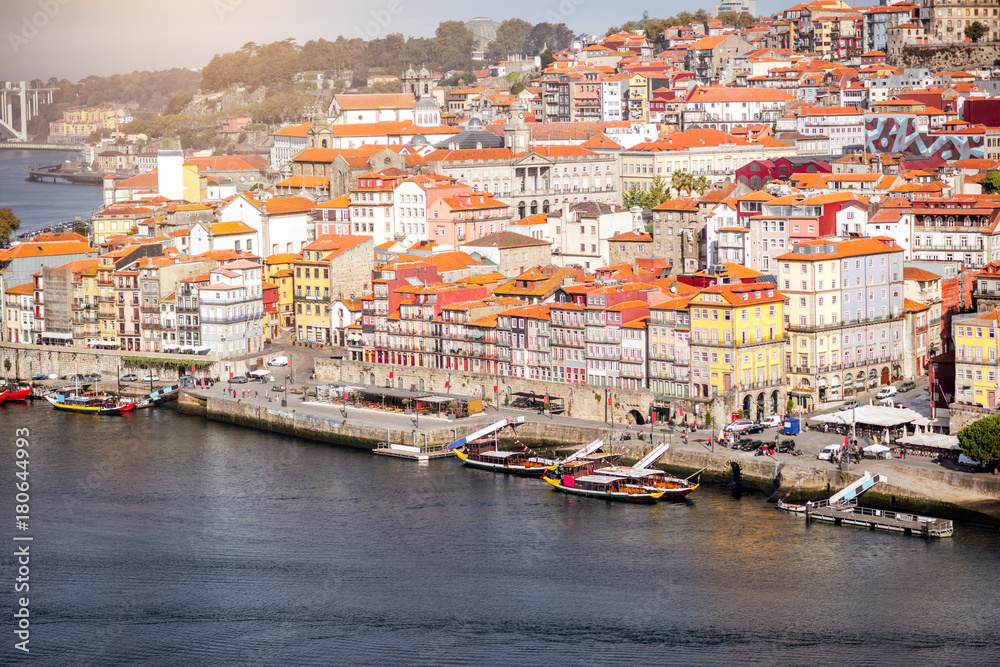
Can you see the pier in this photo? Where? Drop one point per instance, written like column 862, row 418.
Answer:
column 56, row 171
column 849, row 514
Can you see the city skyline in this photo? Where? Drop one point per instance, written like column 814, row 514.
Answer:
column 73, row 40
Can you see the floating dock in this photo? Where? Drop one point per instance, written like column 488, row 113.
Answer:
column 413, row 453
column 842, row 509
column 849, row 514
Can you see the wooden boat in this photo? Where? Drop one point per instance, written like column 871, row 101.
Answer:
column 3, row 395
column 18, row 394
column 482, row 450
column 790, row 507
column 652, row 479
column 517, row 463
column 603, row 486
column 91, row 403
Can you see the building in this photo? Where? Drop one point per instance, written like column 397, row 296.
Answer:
column 19, row 314
column 976, row 357
column 737, row 343
column 231, row 309
column 330, row 268
column 512, row 253
column 845, row 316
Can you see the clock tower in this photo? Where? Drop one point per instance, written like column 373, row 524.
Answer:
column 516, row 132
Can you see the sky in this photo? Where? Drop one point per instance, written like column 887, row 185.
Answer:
column 75, row 38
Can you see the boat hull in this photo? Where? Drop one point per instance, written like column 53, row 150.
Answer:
column 524, row 471
column 620, row 496
column 19, row 395
column 3, row 396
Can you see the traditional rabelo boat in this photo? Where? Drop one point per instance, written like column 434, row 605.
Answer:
column 482, row 450
column 652, row 479
column 583, row 483
column 91, row 403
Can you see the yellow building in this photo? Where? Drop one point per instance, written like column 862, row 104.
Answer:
column 279, row 269
column 638, row 98
column 738, row 350
column 312, row 296
column 977, row 350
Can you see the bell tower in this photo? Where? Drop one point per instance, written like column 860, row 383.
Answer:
column 516, row 132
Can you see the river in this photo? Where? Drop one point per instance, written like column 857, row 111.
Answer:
column 39, row 204
column 166, row 539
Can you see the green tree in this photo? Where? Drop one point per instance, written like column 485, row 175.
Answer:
column 9, row 223
column 547, row 58
column 453, row 45
column 657, row 193
column 975, row 31
column 516, row 88
column 991, row 183
column 634, row 196
column 981, row 440
column 511, row 36
column 701, row 184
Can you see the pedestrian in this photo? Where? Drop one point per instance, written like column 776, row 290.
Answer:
column 686, row 439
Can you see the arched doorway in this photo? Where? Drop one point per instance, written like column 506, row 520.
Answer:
column 775, row 398
column 835, row 388
column 821, row 387
column 636, row 417
column 873, row 378
column 760, row 406
column 534, row 206
column 885, row 375
column 746, row 406
column 897, row 372
column 848, row 384
column 520, row 210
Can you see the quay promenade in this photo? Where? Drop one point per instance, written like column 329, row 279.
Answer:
column 915, row 483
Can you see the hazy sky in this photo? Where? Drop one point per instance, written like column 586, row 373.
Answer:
column 75, row 38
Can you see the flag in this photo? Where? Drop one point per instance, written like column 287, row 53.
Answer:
column 680, row 411
column 192, row 368
column 494, row 389
column 418, row 406
column 390, row 375
column 609, row 400
column 652, row 416
column 447, row 383
column 345, row 394
column 845, row 441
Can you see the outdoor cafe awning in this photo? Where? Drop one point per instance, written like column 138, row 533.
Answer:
column 872, row 415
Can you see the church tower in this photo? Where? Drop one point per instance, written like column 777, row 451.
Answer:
column 419, row 84
column 516, row 132
column 319, row 134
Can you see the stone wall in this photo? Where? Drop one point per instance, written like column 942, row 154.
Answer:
column 948, row 57
column 961, row 415
column 27, row 360
column 581, row 401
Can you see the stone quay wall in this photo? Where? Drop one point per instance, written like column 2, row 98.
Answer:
column 27, row 360
column 961, row 415
column 582, row 401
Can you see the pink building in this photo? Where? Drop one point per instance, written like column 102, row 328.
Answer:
column 463, row 217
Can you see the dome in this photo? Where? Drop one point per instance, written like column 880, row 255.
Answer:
column 409, row 73
column 426, row 104
column 484, row 29
column 419, row 140
column 423, row 74
column 474, row 136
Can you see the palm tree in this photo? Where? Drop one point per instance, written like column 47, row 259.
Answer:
column 701, row 184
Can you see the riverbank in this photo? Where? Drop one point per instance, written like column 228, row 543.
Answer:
column 942, row 493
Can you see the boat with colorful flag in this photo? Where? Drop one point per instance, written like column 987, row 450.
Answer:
column 582, row 483
column 481, row 449
column 92, row 403
column 653, row 479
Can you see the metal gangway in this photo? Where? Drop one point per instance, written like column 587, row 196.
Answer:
column 483, row 432
column 856, row 488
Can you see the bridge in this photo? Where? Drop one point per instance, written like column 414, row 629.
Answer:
column 28, row 100
column 39, row 146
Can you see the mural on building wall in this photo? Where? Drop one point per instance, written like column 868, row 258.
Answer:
column 899, row 135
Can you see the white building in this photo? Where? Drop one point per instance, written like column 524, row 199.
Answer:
column 281, row 224
column 845, row 126
column 287, row 142
column 232, row 309
column 580, row 233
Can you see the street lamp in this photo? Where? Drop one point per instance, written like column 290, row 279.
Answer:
column 284, row 398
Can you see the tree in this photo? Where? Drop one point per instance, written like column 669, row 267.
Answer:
column 9, row 223
column 547, row 58
column 981, row 440
column 518, row 87
column 633, row 196
column 975, row 31
column 511, row 36
column 701, row 184
column 991, row 183
column 657, row 193
column 682, row 180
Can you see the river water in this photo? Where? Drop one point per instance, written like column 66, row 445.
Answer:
column 165, row 539
column 38, row 204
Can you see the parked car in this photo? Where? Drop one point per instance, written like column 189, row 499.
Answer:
column 829, row 452
column 849, row 405
column 239, row 379
column 964, row 460
column 150, row 377
column 278, row 361
column 771, row 422
column 39, row 376
column 754, row 428
column 130, row 378
column 909, row 385
column 886, row 392
column 739, row 425
column 92, row 377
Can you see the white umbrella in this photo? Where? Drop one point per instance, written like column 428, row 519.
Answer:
column 876, row 449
